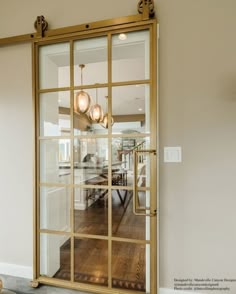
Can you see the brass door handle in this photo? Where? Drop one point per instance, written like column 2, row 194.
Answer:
column 137, row 209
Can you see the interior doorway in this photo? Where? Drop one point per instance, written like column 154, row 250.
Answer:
column 96, row 194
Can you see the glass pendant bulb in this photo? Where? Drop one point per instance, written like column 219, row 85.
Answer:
column 82, row 98
column 96, row 112
column 105, row 121
column 82, row 101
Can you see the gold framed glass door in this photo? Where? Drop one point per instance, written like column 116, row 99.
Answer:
column 96, row 196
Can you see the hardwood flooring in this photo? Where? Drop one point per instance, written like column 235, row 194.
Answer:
column 91, row 255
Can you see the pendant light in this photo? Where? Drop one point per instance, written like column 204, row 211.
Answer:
column 82, row 98
column 105, row 122
column 96, row 112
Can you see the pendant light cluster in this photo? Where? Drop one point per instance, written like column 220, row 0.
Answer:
column 83, row 105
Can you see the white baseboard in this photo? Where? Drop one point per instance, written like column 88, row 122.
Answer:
column 172, row 291
column 16, row 270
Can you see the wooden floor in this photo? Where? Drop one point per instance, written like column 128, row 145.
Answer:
column 91, row 255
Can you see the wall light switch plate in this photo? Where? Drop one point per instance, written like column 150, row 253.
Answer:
column 172, row 154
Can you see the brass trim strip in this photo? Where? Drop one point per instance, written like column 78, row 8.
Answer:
column 129, row 188
column 83, row 29
column 56, row 185
column 83, row 286
column 54, row 232
column 131, row 83
column 34, row 165
column 98, row 32
column 72, row 210
column 92, row 236
column 132, row 135
column 17, row 39
column 119, row 239
column 94, row 25
column 154, row 273
column 102, row 187
column 109, row 99
column 37, row 123
column 52, row 90
column 96, row 136
column 41, row 138
column 94, row 86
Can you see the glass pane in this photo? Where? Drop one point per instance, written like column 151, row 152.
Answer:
column 125, row 223
column 130, row 56
column 93, row 54
column 55, row 256
column 54, row 66
column 55, row 208
column 123, row 161
column 130, row 109
column 55, row 114
column 90, row 161
column 83, row 122
column 129, row 266
column 91, row 261
column 91, row 211
column 55, row 161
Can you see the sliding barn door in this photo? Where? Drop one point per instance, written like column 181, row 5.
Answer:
column 96, row 180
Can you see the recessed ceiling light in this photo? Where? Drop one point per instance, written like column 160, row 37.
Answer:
column 140, row 109
column 122, row 37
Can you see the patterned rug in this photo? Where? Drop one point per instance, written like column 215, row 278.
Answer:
column 102, row 281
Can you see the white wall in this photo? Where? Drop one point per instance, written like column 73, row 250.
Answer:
column 16, row 154
column 197, row 112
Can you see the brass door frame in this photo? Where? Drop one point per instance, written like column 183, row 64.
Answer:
column 103, row 28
